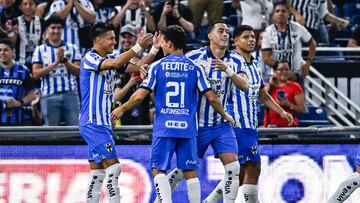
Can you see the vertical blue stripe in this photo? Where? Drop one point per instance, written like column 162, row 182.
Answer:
column 218, row 88
column 65, row 31
column 40, row 56
column 240, row 107
column 226, row 96
column 253, row 81
column 73, row 40
column 52, row 61
column 101, row 100
column 94, row 99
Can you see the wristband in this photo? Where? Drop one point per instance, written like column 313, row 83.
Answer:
column 154, row 50
column 230, row 72
column 137, row 48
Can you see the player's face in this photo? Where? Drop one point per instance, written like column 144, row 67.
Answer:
column 107, row 41
column 6, row 54
column 127, row 41
column 27, row 7
column 219, row 36
column 54, row 32
column 246, row 41
column 281, row 14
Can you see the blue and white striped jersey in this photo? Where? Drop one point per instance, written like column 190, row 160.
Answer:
column 219, row 81
column 70, row 34
column 104, row 14
column 243, row 106
column 59, row 79
column 96, row 90
column 176, row 81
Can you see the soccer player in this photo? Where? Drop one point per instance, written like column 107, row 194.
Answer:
column 244, row 107
column 219, row 65
column 176, row 81
column 97, row 72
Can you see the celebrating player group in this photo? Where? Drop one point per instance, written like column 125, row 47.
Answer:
column 208, row 96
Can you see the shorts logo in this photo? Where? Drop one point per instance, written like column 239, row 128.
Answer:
column 108, row 147
column 254, row 150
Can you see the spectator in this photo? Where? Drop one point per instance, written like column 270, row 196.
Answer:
column 56, row 63
column 136, row 13
column 213, row 8
column 126, row 85
column 354, row 41
column 27, row 32
column 282, row 41
column 288, row 94
column 16, row 87
column 257, row 14
column 313, row 12
column 76, row 13
column 8, row 11
column 103, row 14
column 172, row 13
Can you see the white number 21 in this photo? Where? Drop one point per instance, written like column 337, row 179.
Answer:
column 179, row 89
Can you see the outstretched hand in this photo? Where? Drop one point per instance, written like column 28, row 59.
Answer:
column 156, row 40
column 144, row 39
column 287, row 117
column 230, row 119
column 116, row 114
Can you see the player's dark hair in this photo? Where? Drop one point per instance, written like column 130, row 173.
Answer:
column 176, row 35
column 240, row 29
column 282, row 3
column 99, row 29
column 7, row 42
column 54, row 20
column 212, row 26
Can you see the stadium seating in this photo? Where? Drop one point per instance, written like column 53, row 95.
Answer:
column 315, row 116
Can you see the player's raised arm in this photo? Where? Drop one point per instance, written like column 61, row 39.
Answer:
column 103, row 38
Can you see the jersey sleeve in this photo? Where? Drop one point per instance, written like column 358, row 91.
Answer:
column 203, row 83
column 76, row 55
column 37, row 57
column 323, row 9
column 92, row 61
column 266, row 40
column 55, row 6
column 304, row 34
column 150, row 81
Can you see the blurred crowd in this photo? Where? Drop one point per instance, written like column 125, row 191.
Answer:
column 42, row 43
